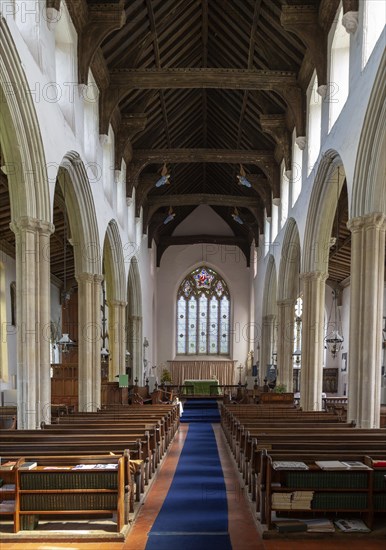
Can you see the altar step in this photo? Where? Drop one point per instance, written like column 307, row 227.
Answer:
column 200, row 410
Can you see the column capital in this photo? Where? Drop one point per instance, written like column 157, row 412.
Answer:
column 117, row 303
column 286, row 302
column 375, row 220
column 31, row 224
column 314, row 276
column 98, row 278
column 85, row 277
column 269, row 318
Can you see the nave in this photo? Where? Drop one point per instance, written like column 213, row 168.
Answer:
column 242, row 527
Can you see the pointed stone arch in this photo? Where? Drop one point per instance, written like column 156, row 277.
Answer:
column 21, row 141
column 73, row 181
column 114, row 274
column 269, row 316
column 321, row 214
column 368, row 225
column 134, row 320
column 25, row 166
column 76, row 189
column 369, row 191
column 320, row 217
column 288, row 290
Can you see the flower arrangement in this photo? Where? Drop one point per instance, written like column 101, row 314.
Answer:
column 280, row 388
column 166, row 377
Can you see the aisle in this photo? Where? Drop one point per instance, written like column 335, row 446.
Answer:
column 241, row 526
column 195, row 512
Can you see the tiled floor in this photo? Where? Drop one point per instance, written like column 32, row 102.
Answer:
column 242, row 528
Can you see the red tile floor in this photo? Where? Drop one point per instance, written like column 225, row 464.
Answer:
column 242, row 527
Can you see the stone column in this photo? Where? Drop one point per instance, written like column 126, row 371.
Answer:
column 311, row 381
column 89, row 318
column 135, row 339
column 267, row 340
column 97, row 341
column 33, row 320
column 116, row 338
column 366, row 304
column 286, row 313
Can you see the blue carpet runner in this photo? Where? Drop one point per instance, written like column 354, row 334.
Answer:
column 200, row 410
column 194, row 515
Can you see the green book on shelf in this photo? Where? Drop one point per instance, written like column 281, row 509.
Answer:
column 290, row 526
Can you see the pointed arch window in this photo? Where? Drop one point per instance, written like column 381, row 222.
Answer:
column 203, row 307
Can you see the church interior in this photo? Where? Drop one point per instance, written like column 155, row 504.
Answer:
column 192, row 274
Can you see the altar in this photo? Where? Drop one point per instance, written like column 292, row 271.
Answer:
column 201, row 387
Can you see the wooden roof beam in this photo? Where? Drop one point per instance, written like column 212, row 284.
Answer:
column 123, row 81
column 103, row 19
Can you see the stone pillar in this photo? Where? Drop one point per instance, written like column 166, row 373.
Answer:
column 286, row 314
column 267, row 340
column 116, row 338
column 311, row 381
column 135, row 342
column 366, row 304
column 90, row 326
column 33, row 320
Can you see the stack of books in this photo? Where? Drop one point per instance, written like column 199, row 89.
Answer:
column 319, row 525
column 8, row 465
column 298, row 500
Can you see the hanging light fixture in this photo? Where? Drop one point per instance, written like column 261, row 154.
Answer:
column 297, row 353
column 242, row 177
column 165, row 176
column 334, row 339
column 104, row 351
column 64, row 343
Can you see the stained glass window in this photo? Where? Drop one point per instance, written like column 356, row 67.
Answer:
column 203, row 309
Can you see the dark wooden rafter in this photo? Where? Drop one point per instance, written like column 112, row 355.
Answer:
column 275, row 125
column 153, row 30
column 130, row 124
column 304, row 22
column 54, row 4
column 156, row 202
column 204, row 64
column 350, row 5
column 103, row 19
column 122, row 81
column 263, row 159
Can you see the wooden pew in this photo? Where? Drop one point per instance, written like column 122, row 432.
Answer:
column 357, row 487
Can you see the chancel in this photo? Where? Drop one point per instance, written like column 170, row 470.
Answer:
column 192, row 273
